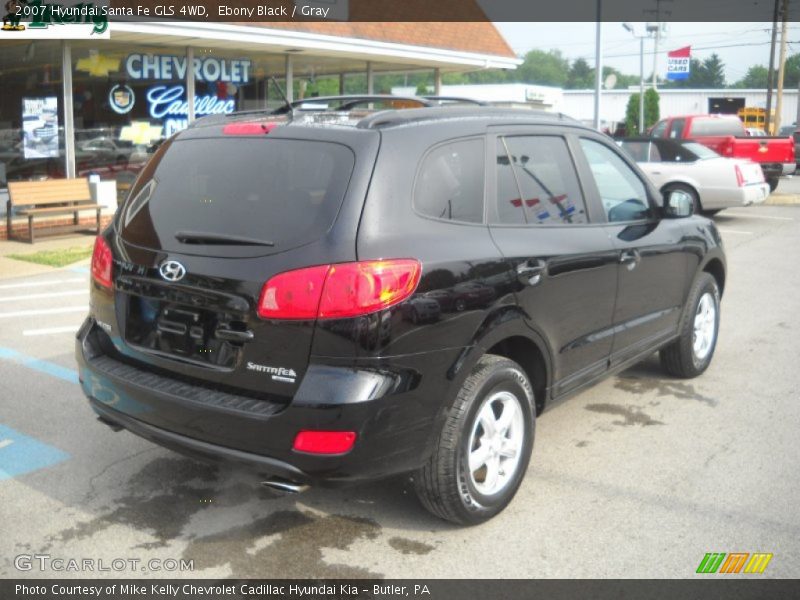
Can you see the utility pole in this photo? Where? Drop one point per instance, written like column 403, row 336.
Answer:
column 598, row 64
column 781, row 67
column 767, row 119
column 655, row 55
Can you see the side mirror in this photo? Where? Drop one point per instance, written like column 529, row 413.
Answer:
column 678, row 204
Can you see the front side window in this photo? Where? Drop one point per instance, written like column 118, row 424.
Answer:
column 537, row 183
column 622, row 193
column 450, row 182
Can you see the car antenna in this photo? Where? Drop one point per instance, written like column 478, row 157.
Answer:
column 283, row 95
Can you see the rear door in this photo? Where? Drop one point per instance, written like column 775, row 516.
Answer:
column 651, row 254
column 209, row 222
column 564, row 262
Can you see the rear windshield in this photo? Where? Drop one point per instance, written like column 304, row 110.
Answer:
column 717, row 127
column 282, row 192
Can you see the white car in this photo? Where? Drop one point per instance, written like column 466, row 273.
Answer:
column 713, row 182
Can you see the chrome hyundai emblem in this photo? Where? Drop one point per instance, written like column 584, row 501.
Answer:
column 172, row 270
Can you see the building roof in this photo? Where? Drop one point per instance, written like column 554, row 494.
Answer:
column 480, row 37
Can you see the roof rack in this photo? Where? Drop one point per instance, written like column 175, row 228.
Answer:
column 344, row 103
column 390, row 118
column 455, row 100
column 349, row 102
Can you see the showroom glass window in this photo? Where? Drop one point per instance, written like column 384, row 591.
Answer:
column 128, row 98
column 31, row 111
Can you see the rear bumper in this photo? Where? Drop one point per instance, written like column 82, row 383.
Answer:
column 198, row 448
column 755, row 194
column 392, row 413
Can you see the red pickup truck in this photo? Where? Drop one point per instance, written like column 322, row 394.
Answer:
column 725, row 134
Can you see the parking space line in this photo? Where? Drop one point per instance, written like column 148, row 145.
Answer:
column 44, row 295
column 736, row 231
column 51, row 330
column 43, row 366
column 43, row 311
column 10, row 286
column 746, row 216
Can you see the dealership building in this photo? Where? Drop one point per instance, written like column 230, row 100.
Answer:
column 94, row 108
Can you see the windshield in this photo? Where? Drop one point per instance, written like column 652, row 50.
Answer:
column 700, row 151
column 285, row 192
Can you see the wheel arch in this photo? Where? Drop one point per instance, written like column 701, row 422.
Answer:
column 528, row 355
column 506, row 332
column 683, row 181
column 716, row 269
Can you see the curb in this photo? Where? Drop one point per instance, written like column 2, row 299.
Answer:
column 783, row 200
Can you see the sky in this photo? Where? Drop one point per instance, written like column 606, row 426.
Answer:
column 739, row 45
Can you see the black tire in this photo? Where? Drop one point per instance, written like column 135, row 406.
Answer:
column 679, row 358
column 460, row 305
column 697, row 208
column 444, row 484
column 773, row 183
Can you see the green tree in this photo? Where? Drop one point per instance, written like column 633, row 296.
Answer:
column 756, row 77
column 543, row 68
column 791, row 76
column 580, row 76
column 632, row 115
column 713, row 72
column 623, row 81
column 651, row 111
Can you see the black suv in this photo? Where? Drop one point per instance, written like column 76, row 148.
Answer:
column 331, row 297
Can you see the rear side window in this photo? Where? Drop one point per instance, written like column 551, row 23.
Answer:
column 537, row 183
column 721, row 126
column 676, row 132
column 287, row 192
column 450, row 182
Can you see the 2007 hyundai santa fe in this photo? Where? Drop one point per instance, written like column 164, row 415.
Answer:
column 334, row 297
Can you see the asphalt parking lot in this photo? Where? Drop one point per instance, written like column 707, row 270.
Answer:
column 638, row 477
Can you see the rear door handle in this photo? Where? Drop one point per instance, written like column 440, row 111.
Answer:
column 630, row 258
column 531, row 273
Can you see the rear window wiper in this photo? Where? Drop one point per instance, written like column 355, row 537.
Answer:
column 221, row 239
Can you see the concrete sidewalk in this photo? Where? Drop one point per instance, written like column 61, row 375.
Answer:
column 10, row 267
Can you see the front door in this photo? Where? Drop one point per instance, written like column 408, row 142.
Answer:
column 653, row 263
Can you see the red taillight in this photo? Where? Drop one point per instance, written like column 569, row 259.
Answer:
column 324, row 442
column 248, row 128
column 739, row 176
column 293, row 295
column 339, row 291
column 101, row 262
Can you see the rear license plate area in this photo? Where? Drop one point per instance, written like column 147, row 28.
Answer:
column 182, row 331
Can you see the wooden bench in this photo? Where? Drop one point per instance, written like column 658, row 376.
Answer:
column 50, row 197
